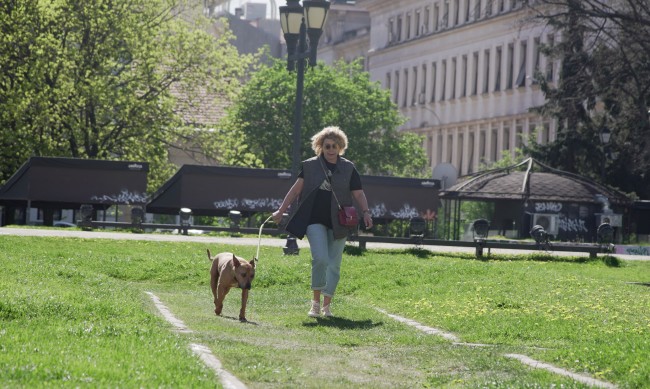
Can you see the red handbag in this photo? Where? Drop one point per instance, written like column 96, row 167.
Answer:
column 348, row 216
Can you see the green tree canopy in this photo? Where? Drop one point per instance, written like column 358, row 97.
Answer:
column 258, row 128
column 102, row 79
column 604, row 84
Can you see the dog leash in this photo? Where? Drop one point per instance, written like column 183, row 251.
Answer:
column 259, row 241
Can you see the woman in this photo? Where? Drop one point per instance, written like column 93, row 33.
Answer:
column 316, row 210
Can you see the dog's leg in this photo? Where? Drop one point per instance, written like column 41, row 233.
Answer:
column 244, row 300
column 222, row 291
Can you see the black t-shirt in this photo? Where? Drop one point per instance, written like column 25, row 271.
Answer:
column 320, row 212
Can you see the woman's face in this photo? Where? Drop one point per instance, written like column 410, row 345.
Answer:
column 330, row 150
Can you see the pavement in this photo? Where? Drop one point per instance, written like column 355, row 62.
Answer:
column 252, row 241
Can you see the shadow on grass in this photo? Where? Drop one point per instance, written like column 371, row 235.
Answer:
column 343, row 323
column 233, row 318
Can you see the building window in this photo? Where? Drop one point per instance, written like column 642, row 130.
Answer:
column 391, row 30
column 452, row 78
column 399, row 29
column 494, row 150
column 408, row 26
column 536, row 59
column 418, row 21
column 475, row 74
column 414, row 81
column 549, row 60
column 497, row 70
column 459, row 149
column 405, row 84
column 396, row 88
column 427, row 15
column 423, row 85
column 433, row 82
column 488, row 8
column 477, row 9
column 467, row 8
column 464, row 74
column 439, row 149
column 443, row 87
column 482, row 146
column 445, row 15
column 456, row 12
column 510, row 65
column 521, row 77
column 486, row 75
column 519, row 135
column 470, row 150
column 436, row 17
column 388, row 85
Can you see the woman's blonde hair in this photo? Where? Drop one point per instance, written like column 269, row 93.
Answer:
column 332, row 133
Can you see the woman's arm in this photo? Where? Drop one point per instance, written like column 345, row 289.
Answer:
column 360, row 197
column 291, row 196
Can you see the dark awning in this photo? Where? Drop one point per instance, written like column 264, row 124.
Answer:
column 69, row 182
column 531, row 180
column 215, row 190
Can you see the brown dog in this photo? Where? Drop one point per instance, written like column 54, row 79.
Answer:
column 229, row 271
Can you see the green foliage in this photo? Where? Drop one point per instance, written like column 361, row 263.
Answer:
column 105, row 80
column 260, row 123
column 604, row 78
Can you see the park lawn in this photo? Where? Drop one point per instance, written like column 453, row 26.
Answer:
column 74, row 312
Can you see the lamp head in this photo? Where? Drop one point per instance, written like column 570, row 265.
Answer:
column 481, row 229
column 605, row 233
column 605, row 136
column 315, row 17
column 417, row 226
column 539, row 234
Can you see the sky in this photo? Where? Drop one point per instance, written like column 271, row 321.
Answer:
column 269, row 5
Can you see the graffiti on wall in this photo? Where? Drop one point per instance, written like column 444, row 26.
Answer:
column 572, row 225
column 573, row 220
column 124, row 197
column 248, row 204
column 633, row 250
column 548, row 207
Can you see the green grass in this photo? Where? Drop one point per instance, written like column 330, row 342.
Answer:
column 74, row 313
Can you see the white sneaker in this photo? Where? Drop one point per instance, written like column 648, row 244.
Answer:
column 315, row 309
column 326, row 311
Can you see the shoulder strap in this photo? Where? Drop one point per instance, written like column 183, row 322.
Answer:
column 328, row 176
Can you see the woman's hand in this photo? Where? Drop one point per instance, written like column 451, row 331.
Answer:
column 367, row 219
column 277, row 216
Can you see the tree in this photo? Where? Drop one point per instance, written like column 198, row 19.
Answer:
column 260, row 120
column 604, row 83
column 101, row 79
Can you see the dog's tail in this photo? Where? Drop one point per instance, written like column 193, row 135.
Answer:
column 209, row 255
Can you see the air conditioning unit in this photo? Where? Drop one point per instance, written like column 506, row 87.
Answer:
column 615, row 219
column 550, row 222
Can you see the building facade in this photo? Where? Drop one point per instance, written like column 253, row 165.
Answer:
column 462, row 73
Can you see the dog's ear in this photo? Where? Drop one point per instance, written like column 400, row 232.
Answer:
column 252, row 262
column 209, row 255
column 235, row 261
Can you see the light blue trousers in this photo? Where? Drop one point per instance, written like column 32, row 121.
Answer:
column 326, row 257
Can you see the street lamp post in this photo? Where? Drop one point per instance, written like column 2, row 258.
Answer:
column 299, row 22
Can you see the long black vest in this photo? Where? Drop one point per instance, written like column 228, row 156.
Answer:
column 313, row 174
